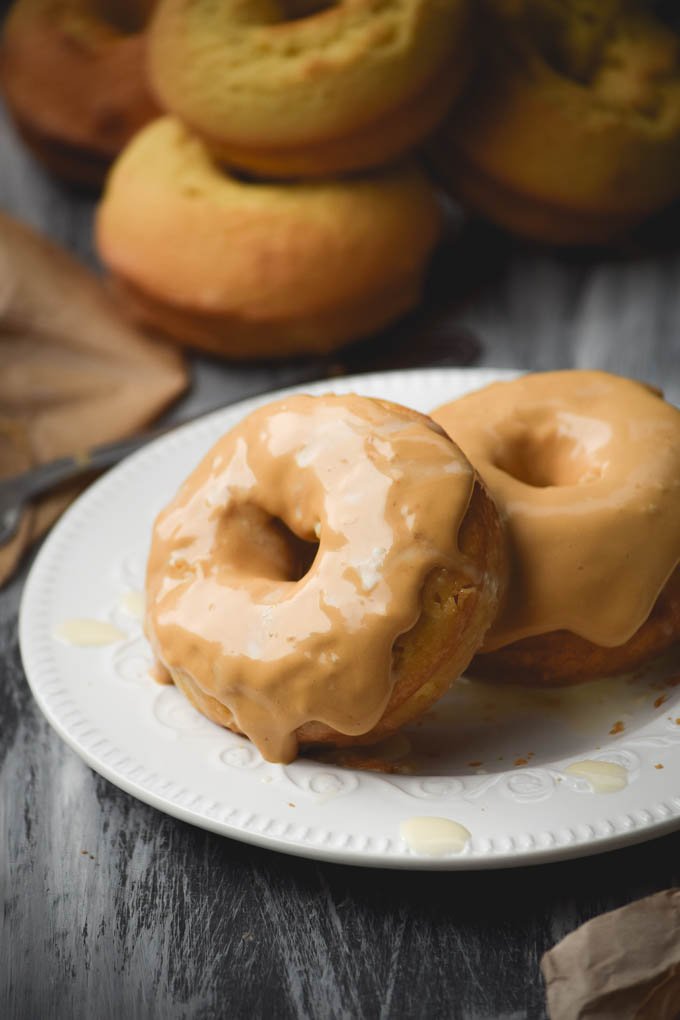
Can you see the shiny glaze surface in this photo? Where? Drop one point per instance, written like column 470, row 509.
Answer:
column 294, row 556
column 585, row 466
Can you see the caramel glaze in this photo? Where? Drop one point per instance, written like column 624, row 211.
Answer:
column 295, row 554
column 585, row 467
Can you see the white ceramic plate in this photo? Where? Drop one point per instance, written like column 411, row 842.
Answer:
column 491, row 759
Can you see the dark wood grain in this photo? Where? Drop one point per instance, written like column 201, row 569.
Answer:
column 111, row 909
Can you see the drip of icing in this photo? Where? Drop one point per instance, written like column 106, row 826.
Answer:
column 86, row 633
column 159, row 674
column 132, row 602
column 603, row 776
column 434, row 837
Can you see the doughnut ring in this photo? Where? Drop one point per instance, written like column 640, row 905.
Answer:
column 585, row 470
column 305, row 89
column 324, row 574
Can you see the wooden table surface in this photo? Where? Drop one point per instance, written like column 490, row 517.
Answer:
column 111, row 909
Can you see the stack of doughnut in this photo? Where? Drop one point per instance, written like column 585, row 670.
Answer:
column 275, row 209
column 271, row 206
column 558, row 120
column 335, row 563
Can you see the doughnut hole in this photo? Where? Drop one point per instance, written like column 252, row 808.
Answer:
column 547, row 457
column 127, row 16
column 253, row 542
column 455, row 614
column 573, row 40
column 296, row 10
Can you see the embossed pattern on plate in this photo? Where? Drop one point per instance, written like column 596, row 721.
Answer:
column 503, row 778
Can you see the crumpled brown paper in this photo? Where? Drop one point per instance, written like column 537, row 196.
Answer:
column 73, row 374
column 623, row 965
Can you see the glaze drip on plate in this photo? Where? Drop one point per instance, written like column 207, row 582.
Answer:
column 603, row 776
column 83, row 632
column 434, row 837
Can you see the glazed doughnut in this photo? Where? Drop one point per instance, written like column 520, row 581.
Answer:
column 249, row 269
column 585, row 468
column 571, row 132
column 324, row 574
column 288, row 88
column 73, row 75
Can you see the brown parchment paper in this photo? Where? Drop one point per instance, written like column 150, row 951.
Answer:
column 623, row 965
column 73, row 373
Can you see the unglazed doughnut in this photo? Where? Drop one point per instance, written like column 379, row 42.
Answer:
column 585, row 468
column 249, row 269
column 305, row 89
column 73, row 75
column 571, row 131
column 324, row 574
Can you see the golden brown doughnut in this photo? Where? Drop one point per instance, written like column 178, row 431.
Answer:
column 285, row 88
column 324, row 574
column 585, row 470
column 73, row 74
column 248, row 269
column 570, row 132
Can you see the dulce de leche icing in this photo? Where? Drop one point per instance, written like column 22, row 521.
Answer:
column 371, row 495
column 585, row 467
